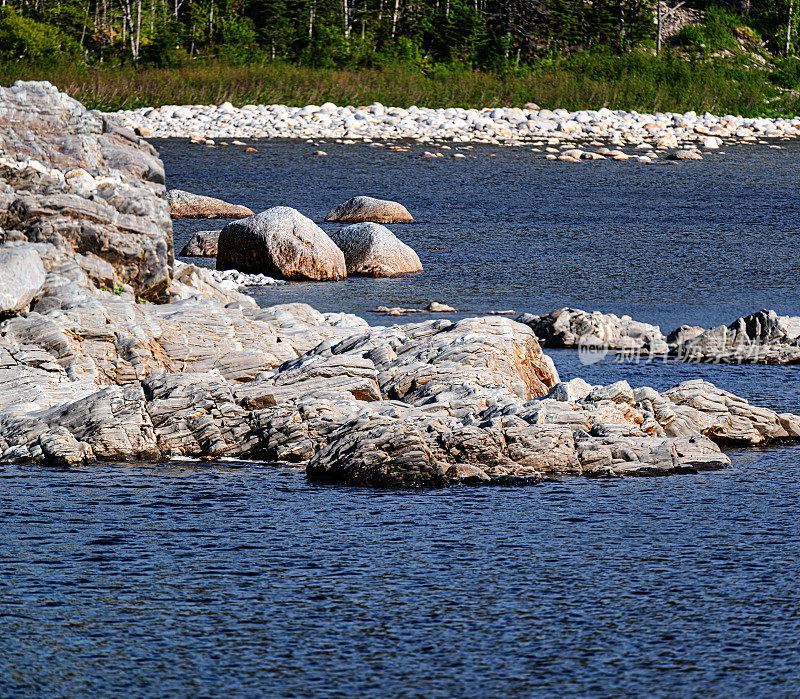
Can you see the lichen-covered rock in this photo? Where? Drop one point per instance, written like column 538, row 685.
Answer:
column 78, row 179
column 187, row 205
column 372, row 250
column 280, row 242
column 201, row 244
column 21, row 278
column 364, row 209
column 574, row 328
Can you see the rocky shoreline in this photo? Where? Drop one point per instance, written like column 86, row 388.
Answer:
column 553, row 133
column 112, row 350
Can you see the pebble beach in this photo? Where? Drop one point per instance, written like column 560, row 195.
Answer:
column 645, row 135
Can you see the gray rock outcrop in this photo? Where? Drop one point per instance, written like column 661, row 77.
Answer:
column 21, row 277
column 187, row 205
column 95, row 372
column 372, row 250
column 280, row 242
column 201, row 244
column 573, row 328
column 759, row 338
column 82, row 181
column 94, row 375
column 368, row 209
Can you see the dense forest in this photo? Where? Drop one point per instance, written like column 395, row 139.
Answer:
column 365, row 33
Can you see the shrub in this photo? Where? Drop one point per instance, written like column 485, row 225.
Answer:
column 716, row 34
column 24, row 39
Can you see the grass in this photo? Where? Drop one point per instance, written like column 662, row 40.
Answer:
column 640, row 82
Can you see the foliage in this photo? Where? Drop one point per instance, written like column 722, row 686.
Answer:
column 717, row 33
column 786, row 73
column 637, row 81
column 25, row 39
column 575, row 53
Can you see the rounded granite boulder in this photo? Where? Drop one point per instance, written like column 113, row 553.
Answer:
column 280, row 242
column 365, row 209
column 187, row 205
column 372, row 250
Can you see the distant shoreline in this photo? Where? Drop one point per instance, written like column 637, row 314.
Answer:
column 646, row 136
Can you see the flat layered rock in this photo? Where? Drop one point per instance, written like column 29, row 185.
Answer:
column 21, row 278
column 201, row 244
column 436, row 453
column 372, row 250
column 187, row 205
column 280, row 242
column 368, row 209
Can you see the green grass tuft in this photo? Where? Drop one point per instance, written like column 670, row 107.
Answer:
column 636, row 81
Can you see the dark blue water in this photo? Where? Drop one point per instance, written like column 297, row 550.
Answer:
column 697, row 243
column 244, row 580
column 247, row 581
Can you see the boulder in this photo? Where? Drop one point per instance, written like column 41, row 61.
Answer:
column 372, row 250
column 187, row 205
column 21, row 277
column 684, row 154
column 365, row 209
column 201, row 244
column 80, row 180
column 61, row 450
column 280, row 242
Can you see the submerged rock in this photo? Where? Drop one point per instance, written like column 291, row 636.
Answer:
column 366, row 209
column 187, row 205
column 201, row 244
column 372, row 250
column 280, row 242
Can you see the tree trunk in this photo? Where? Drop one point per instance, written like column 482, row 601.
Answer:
column 394, row 17
column 138, row 27
column 789, row 27
column 658, row 27
column 311, row 15
column 346, row 18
